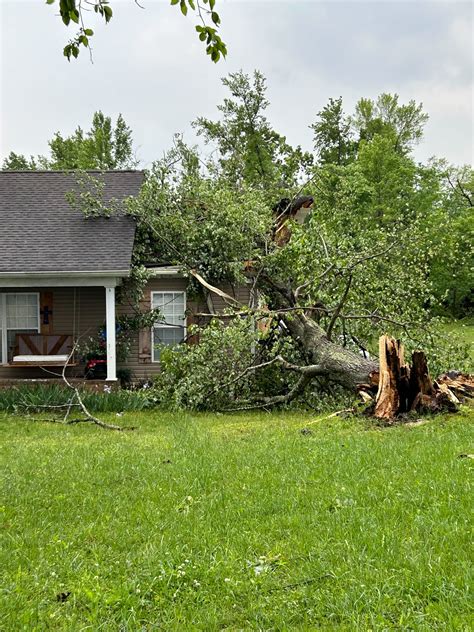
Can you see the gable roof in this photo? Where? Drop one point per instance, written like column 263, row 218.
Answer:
column 41, row 232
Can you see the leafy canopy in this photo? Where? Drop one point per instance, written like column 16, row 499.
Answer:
column 104, row 146
column 248, row 151
column 367, row 254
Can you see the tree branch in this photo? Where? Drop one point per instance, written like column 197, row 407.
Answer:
column 374, row 316
column 308, row 371
column 373, row 256
column 266, row 402
column 338, row 309
column 79, row 403
column 227, row 298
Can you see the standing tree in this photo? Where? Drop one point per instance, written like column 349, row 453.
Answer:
column 333, row 140
column 451, row 275
column 104, row 146
column 403, row 124
column 248, row 149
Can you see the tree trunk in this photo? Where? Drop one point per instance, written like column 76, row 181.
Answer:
column 341, row 365
column 393, row 393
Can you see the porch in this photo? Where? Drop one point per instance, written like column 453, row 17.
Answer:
column 43, row 318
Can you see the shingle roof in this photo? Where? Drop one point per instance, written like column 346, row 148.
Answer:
column 41, row 232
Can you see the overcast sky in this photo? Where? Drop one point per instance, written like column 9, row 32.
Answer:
column 150, row 66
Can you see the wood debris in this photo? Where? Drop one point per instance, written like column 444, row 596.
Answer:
column 404, row 388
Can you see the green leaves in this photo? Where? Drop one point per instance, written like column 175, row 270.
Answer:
column 74, row 15
column 215, row 47
column 104, row 146
column 107, row 13
column 71, row 50
column 72, row 11
column 251, row 152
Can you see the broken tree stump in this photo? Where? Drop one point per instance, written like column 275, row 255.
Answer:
column 403, row 388
column 393, row 379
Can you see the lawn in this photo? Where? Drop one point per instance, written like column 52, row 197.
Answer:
column 236, row 522
column 463, row 331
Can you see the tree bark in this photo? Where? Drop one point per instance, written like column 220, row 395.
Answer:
column 404, row 388
column 393, row 392
column 341, row 365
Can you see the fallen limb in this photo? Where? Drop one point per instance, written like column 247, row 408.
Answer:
column 215, row 290
column 332, row 415
column 75, row 402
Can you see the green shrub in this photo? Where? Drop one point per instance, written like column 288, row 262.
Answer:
column 202, row 376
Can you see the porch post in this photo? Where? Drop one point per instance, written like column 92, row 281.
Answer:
column 110, row 329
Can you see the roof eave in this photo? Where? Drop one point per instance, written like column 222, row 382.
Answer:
column 66, row 273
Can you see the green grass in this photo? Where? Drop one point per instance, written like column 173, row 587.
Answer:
column 463, row 331
column 236, row 522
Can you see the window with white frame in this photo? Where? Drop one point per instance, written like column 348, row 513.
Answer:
column 19, row 313
column 171, row 329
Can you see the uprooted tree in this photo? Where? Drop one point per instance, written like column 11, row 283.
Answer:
column 335, row 251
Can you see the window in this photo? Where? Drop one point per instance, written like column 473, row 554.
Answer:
column 19, row 313
column 171, row 330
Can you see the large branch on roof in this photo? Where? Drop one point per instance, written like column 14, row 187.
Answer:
column 285, row 210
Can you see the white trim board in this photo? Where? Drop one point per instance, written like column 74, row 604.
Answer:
column 25, row 280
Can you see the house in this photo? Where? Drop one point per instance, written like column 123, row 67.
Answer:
column 58, row 277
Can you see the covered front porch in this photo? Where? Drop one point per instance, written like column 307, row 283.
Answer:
column 44, row 316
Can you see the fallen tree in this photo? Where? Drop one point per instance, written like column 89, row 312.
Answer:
column 338, row 261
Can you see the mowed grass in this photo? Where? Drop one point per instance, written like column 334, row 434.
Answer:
column 463, row 331
column 236, row 522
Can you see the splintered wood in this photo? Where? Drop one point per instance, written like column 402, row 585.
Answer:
column 403, row 388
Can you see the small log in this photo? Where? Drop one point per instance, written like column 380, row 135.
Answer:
column 461, row 384
column 449, row 395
